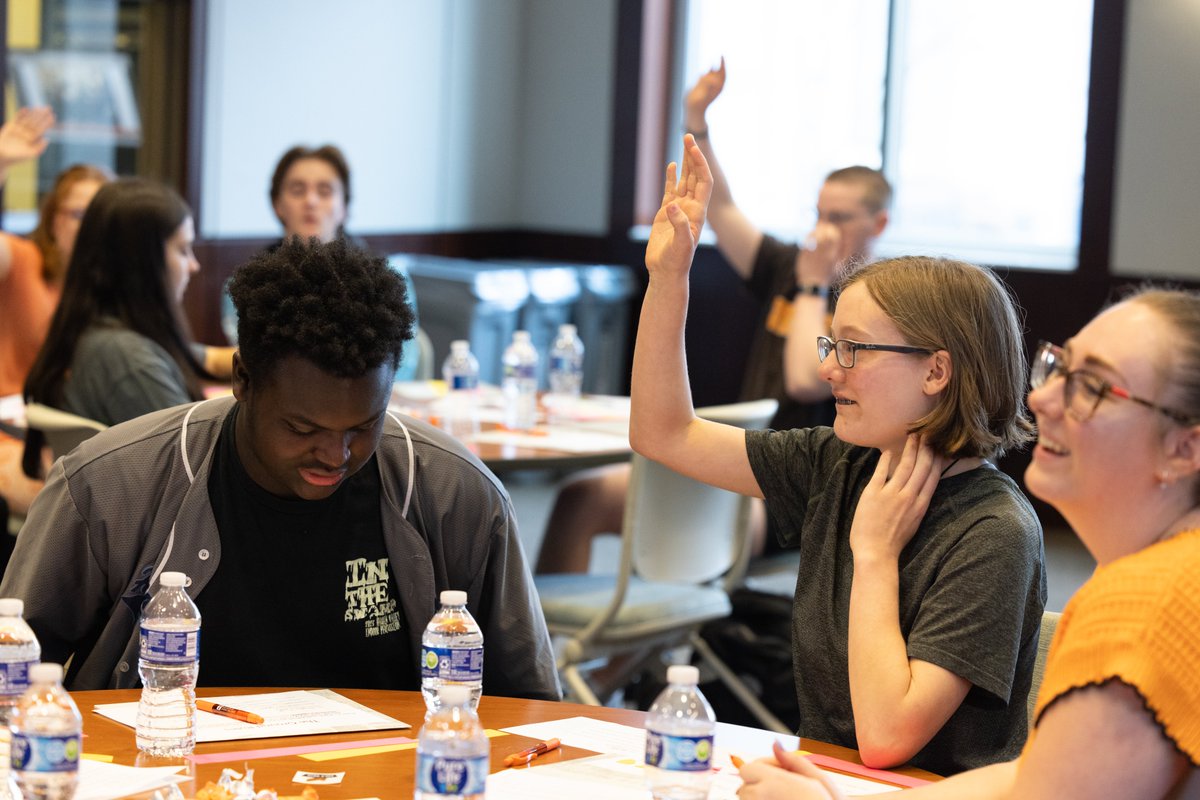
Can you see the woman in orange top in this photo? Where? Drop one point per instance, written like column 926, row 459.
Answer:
column 31, row 273
column 1118, row 454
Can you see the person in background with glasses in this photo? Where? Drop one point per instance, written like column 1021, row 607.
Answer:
column 791, row 286
column 1118, row 454
column 922, row 577
column 790, row 282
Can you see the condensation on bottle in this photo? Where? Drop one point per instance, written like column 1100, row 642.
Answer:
column 46, row 737
column 460, row 412
column 520, row 382
column 169, row 663
column 452, row 750
column 680, row 726
column 566, row 362
column 451, row 651
column 19, row 651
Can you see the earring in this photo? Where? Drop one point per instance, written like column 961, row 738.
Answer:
column 1164, row 478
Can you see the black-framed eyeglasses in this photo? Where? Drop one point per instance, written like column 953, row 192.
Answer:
column 846, row 348
column 1082, row 390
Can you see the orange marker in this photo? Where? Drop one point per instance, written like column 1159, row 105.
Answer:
column 530, row 753
column 737, row 762
column 226, row 711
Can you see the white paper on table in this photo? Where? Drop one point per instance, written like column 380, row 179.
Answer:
column 99, row 780
column 557, row 437
column 609, row 777
column 624, row 742
column 298, row 713
column 587, row 408
column 585, row 733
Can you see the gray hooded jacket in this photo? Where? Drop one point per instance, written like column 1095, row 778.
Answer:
column 133, row 501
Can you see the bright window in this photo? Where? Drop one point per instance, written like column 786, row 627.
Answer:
column 976, row 111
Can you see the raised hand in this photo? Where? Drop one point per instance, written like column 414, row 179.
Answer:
column 701, row 95
column 892, row 506
column 24, row 136
column 677, row 225
column 817, row 261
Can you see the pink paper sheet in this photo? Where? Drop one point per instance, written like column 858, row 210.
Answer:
column 865, row 772
column 271, row 752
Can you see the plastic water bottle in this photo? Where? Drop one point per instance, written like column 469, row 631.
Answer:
column 679, row 739
column 566, row 362
column 461, row 372
column 452, row 651
column 46, row 737
column 452, row 750
column 19, row 650
column 520, row 383
column 169, row 664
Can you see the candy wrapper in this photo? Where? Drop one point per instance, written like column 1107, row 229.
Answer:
column 233, row 785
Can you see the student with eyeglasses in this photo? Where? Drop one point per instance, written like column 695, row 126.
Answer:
column 1118, row 454
column 922, row 577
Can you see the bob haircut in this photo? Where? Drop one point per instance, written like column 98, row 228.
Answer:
column 118, row 271
column 965, row 310
column 43, row 235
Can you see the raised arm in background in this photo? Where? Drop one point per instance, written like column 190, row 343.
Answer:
column 737, row 237
column 663, row 425
column 21, row 138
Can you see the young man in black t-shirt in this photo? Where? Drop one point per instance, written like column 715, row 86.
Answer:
column 318, row 529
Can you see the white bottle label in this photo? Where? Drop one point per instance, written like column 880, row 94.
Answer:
column 456, row 664
column 14, row 677
column 451, row 776
column 683, row 753
column 45, row 753
column 170, row 647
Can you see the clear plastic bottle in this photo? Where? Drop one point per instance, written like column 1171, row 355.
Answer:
column 46, row 736
column 451, row 651
column 452, row 750
column 19, row 650
column 169, row 664
column 520, row 382
column 679, row 739
column 461, row 372
column 566, row 362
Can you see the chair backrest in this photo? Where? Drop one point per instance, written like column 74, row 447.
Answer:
column 63, row 431
column 425, row 366
column 684, row 531
column 1045, row 636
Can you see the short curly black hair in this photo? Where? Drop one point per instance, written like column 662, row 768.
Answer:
column 336, row 305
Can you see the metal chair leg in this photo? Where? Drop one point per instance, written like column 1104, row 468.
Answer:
column 739, row 689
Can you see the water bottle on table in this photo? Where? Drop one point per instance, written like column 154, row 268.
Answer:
column 679, row 738
column 461, row 373
column 520, row 383
column 19, row 650
column 452, row 651
column 169, row 665
column 452, row 750
column 46, row 736
column 566, row 362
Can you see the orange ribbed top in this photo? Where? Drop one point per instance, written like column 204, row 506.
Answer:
column 26, row 306
column 1137, row 620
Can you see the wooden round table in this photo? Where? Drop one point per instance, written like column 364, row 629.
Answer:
column 388, row 776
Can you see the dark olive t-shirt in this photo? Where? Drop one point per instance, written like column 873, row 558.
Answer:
column 304, row 594
column 972, row 590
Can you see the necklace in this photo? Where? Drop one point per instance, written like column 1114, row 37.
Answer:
column 949, row 467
